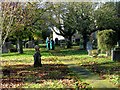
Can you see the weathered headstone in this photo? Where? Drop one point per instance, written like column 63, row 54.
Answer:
column 37, row 57
column 89, row 47
column 40, row 41
column 9, row 45
column 116, row 53
column 26, row 45
column 62, row 43
column 4, row 48
column 29, row 44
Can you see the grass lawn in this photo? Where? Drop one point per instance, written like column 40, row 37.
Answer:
column 55, row 72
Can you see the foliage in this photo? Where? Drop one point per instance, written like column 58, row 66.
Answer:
column 85, row 17
column 62, row 21
column 71, row 17
column 8, row 15
column 106, row 39
column 45, row 34
column 118, row 8
column 106, row 17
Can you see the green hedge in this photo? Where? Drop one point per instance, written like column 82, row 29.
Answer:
column 106, row 39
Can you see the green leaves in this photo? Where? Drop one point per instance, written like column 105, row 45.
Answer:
column 106, row 16
column 107, row 39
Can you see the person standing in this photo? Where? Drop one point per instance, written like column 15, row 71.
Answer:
column 51, row 44
column 48, row 43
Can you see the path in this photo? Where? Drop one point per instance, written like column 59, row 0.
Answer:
column 92, row 79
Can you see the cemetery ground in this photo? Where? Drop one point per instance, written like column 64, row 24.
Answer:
column 62, row 68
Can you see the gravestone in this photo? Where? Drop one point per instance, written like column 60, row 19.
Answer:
column 29, row 44
column 40, row 41
column 4, row 48
column 89, row 47
column 62, row 43
column 37, row 57
column 26, row 45
column 9, row 45
column 116, row 53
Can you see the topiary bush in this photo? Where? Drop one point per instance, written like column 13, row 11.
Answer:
column 106, row 39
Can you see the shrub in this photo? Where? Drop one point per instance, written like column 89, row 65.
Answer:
column 106, row 39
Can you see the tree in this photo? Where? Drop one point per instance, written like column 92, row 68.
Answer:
column 21, row 18
column 62, row 17
column 1, row 26
column 117, row 4
column 84, row 17
column 24, row 18
column 107, row 17
column 8, row 11
column 69, row 17
column 12, row 13
column 106, row 40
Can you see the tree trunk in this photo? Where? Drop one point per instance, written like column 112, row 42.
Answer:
column 69, row 42
column 84, row 41
column 20, row 47
column 30, row 38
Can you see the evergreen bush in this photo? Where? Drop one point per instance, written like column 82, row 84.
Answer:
column 106, row 39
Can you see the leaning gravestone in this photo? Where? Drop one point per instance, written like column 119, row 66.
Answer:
column 116, row 54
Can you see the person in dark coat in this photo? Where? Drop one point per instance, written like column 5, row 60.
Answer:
column 37, row 57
